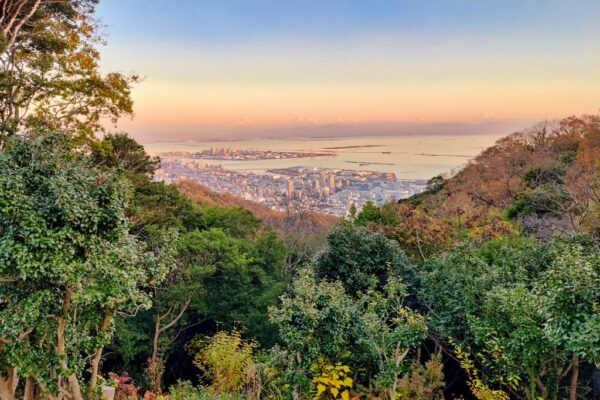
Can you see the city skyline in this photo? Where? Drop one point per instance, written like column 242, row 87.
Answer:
column 327, row 191
column 305, row 68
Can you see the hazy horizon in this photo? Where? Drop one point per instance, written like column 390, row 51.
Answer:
column 339, row 131
column 256, row 68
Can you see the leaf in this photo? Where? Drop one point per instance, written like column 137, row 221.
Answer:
column 321, row 388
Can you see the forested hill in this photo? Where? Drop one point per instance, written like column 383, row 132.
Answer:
column 296, row 219
column 541, row 181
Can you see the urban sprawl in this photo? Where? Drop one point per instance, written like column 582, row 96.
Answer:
column 328, row 191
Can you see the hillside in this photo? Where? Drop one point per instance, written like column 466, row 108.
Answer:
column 305, row 221
column 542, row 181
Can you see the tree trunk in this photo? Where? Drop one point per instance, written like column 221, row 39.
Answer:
column 154, row 370
column 574, row 378
column 28, row 392
column 45, row 392
column 542, row 387
column 155, row 341
column 61, row 350
column 155, row 365
column 398, row 360
column 8, row 385
column 98, row 355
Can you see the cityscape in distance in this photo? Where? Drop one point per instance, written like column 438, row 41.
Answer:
column 332, row 191
column 325, row 175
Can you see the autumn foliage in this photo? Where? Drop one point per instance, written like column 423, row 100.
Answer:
column 541, row 181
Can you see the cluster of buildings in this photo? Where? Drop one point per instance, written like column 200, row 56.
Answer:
column 226, row 153
column 326, row 191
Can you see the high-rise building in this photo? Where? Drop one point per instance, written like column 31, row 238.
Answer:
column 322, row 180
column 332, row 181
column 290, row 185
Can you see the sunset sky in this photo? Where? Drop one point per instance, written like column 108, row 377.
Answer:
column 225, row 68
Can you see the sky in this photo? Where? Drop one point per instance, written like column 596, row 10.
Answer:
column 251, row 68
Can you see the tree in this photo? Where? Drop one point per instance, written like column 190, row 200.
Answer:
column 228, row 267
column 18, row 16
column 49, row 72
column 571, row 305
column 526, row 311
column 373, row 215
column 119, row 151
column 145, row 341
column 376, row 335
column 247, row 278
column 362, row 260
column 68, row 265
column 452, row 284
column 171, row 300
column 435, row 184
column 513, row 346
column 315, row 320
column 390, row 331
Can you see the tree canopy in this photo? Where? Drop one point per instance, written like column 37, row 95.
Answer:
column 49, row 70
column 68, row 263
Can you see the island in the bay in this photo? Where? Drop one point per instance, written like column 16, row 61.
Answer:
column 231, row 154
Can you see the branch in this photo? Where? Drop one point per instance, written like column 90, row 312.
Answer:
column 178, row 317
column 20, row 337
column 15, row 33
column 188, row 327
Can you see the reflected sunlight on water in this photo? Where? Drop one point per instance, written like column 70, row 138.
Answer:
column 409, row 156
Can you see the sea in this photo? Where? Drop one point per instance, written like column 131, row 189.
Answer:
column 407, row 156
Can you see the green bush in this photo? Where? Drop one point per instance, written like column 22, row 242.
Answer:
column 184, row 390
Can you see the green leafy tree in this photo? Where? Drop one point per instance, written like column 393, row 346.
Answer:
column 376, row 335
column 315, row 320
column 119, row 151
column 370, row 214
column 452, row 284
column 68, row 264
column 526, row 311
column 389, row 332
column 247, row 279
column 513, row 347
column 571, row 306
column 228, row 268
column 362, row 260
column 236, row 222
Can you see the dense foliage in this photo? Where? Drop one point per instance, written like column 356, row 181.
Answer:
column 485, row 286
column 68, row 263
column 228, row 270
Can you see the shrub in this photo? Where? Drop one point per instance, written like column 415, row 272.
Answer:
column 332, row 381
column 423, row 382
column 225, row 359
column 185, row 391
column 125, row 389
